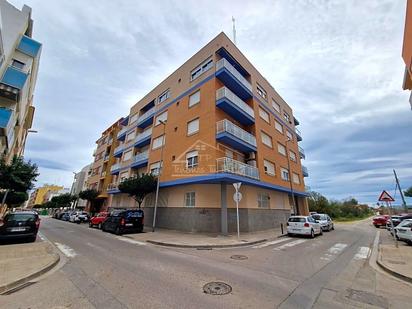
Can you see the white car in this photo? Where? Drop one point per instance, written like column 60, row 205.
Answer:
column 303, row 225
column 325, row 221
column 404, row 231
column 78, row 216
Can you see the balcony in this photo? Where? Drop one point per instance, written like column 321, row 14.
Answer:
column 302, row 153
column 295, row 121
column 122, row 134
column 228, row 165
column 12, row 83
column 146, row 119
column 29, row 46
column 113, row 188
column 118, row 151
column 7, row 121
column 227, row 101
column 230, row 134
column 298, row 135
column 140, row 160
column 233, row 79
column 143, row 138
column 115, row 168
column 305, row 171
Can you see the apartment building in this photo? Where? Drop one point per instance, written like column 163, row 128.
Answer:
column 19, row 62
column 38, row 195
column 213, row 122
column 100, row 177
column 80, row 184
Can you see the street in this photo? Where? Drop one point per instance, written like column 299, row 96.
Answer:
column 101, row 270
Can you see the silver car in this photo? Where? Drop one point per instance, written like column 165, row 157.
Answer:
column 325, row 221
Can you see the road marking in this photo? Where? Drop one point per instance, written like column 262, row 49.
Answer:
column 69, row 252
column 362, row 253
column 290, row 244
column 41, row 236
column 131, row 241
column 337, row 248
column 269, row 243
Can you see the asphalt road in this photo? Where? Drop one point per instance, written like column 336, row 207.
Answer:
column 101, row 270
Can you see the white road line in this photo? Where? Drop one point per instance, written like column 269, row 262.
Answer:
column 131, row 241
column 41, row 236
column 269, row 243
column 290, row 244
column 67, row 251
column 362, row 253
column 337, row 248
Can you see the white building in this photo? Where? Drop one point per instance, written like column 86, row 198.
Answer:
column 80, row 183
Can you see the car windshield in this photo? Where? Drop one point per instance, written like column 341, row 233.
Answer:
column 20, row 217
column 295, row 219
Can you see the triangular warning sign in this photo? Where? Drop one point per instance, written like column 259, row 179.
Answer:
column 385, row 197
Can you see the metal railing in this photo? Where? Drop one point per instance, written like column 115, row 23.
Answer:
column 147, row 114
column 143, row 135
column 305, row 171
column 141, row 156
column 302, row 152
column 115, row 167
column 227, row 126
column 226, row 93
column 223, row 63
column 112, row 186
column 228, row 165
column 298, row 132
column 121, row 132
column 118, row 148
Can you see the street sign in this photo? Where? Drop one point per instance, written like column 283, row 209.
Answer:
column 237, row 197
column 385, row 197
column 237, row 185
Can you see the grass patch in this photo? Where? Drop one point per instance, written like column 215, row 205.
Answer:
column 351, row 219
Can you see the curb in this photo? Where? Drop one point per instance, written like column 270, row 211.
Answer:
column 392, row 272
column 7, row 287
column 165, row 244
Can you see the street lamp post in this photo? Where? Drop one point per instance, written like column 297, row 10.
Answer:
column 295, row 208
column 158, row 176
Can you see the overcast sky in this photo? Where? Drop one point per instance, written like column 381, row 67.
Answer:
column 337, row 63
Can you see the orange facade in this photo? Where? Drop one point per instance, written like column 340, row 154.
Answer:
column 407, row 47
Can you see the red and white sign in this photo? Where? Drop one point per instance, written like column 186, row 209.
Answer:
column 385, row 197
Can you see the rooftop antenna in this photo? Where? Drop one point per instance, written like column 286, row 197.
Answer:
column 234, row 30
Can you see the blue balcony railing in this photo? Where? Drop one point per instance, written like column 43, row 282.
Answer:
column 140, row 160
column 143, row 138
column 14, row 77
column 228, row 165
column 115, row 168
column 118, row 151
column 146, row 119
column 227, row 101
column 305, row 171
column 230, row 134
column 302, row 153
column 122, row 134
column 29, row 46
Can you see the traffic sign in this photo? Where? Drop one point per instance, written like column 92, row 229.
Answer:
column 237, row 197
column 237, row 185
column 385, row 197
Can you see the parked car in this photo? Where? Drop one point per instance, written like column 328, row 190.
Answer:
column 397, row 219
column 79, row 217
column 303, row 225
column 20, row 224
column 404, row 231
column 325, row 221
column 379, row 221
column 65, row 216
column 98, row 219
column 124, row 221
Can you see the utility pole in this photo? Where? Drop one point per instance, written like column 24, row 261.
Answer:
column 400, row 191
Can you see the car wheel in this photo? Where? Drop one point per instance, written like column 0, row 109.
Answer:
column 321, row 232
column 99, row 226
column 333, row 227
column 312, row 234
column 409, row 242
column 90, row 224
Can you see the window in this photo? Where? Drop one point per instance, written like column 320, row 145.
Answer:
column 164, row 96
column 289, row 135
column 133, row 118
column 295, row 178
column 266, row 139
column 190, row 199
column 229, row 153
column 161, row 117
column 263, row 200
column 269, row 168
column 206, row 65
column 193, row 126
column 155, row 168
column 286, row 116
column 127, row 155
column 292, row 155
column 194, row 98
column 284, row 173
column 261, row 92
column 158, row 142
column 278, row 127
column 276, row 106
column 17, row 64
column 130, row 136
column 192, row 159
column 124, row 176
column 282, row 149
column 264, row 115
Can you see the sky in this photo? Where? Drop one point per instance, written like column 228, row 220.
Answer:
column 337, row 63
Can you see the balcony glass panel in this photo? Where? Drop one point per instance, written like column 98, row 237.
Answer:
column 235, row 136
column 234, row 106
column 14, row 77
column 228, row 165
column 223, row 63
column 29, row 46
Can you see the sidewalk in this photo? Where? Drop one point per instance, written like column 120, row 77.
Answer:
column 397, row 261
column 22, row 262
column 178, row 239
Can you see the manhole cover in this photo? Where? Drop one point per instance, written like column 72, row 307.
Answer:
column 238, row 257
column 396, row 262
column 217, row 288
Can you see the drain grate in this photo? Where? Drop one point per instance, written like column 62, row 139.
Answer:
column 217, row 288
column 239, row 257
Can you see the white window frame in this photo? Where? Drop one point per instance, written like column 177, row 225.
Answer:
column 190, row 199
column 263, row 200
column 264, row 115
column 155, row 168
column 123, row 176
column 192, row 159
column 289, row 135
column 296, row 178
column 269, row 167
column 284, row 173
column 156, row 144
column 292, row 156
column 196, row 129
column 162, row 116
column 130, row 136
column 276, row 106
column 263, row 136
column 202, row 68
column 282, row 149
column 261, row 91
column 133, row 118
column 164, row 96
column 127, row 155
column 278, row 126
column 286, row 116
column 195, row 96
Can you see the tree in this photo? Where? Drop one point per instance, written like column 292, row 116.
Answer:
column 14, row 198
column 317, row 202
column 63, row 200
column 90, row 195
column 138, row 187
column 408, row 192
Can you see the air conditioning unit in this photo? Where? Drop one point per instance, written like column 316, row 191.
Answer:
column 251, row 156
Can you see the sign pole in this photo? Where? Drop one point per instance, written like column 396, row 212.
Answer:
column 237, row 197
column 389, row 205
column 237, row 218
